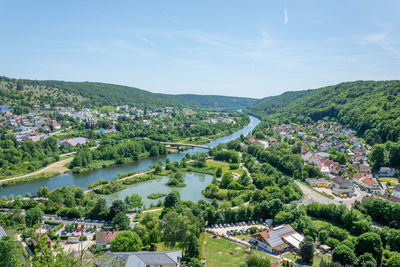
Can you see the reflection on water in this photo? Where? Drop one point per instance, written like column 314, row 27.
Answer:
column 195, row 183
column 86, row 178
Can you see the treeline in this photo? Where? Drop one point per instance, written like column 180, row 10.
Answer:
column 94, row 94
column 285, row 160
column 26, row 157
column 132, row 150
column 387, row 154
column 371, row 108
column 382, row 211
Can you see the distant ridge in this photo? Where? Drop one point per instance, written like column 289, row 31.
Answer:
column 94, row 94
column 372, row 108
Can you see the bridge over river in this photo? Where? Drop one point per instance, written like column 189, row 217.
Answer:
column 183, row 144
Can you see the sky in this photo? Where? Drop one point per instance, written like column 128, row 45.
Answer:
column 225, row 47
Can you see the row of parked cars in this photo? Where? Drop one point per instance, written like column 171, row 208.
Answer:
column 79, row 220
column 224, row 225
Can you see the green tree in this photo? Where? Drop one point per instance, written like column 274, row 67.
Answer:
column 121, row 222
column 394, row 261
column 366, row 260
column 126, row 241
column 33, row 216
column 171, row 200
column 43, row 192
column 116, row 207
column 369, row 242
column 10, row 253
column 178, row 228
column 134, row 201
column 227, row 178
column 344, row 255
column 194, row 262
column 307, row 248
column 255, row 261
column 377, row 156
column 100, row 210
column 193, row 247
column 218, row 173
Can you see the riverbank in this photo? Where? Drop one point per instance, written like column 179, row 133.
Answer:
column 84, row 179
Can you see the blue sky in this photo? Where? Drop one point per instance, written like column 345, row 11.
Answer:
column 241, row 48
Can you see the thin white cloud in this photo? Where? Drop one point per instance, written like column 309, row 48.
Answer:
column 266, row 38
column 144, row 17
column 286, row 16
column 144, row 39
column 382, row 40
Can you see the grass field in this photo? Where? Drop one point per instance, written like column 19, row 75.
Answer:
column 316, row 260
column 221, row 252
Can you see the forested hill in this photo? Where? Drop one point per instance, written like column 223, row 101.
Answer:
column 94, row 94
column 217, row 101
column 369, row 107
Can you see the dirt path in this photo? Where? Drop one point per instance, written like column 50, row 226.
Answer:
column 58, row 166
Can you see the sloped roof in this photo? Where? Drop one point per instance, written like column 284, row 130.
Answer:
column 102, row 237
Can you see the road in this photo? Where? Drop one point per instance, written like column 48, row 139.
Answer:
column 55, row 166
column 311, row 194
column 61, row 162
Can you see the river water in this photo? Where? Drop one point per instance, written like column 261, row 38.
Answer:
column 84, row 179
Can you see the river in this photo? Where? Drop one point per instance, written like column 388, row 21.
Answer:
column 84, row 179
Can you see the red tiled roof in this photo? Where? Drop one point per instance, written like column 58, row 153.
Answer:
column 368, row 181
column 102, row 237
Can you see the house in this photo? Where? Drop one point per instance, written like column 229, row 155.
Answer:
column 359, row 176
column 306, row 154
column 143, row 259
column 277, row 240
column 342, row 186
column 56, row 126
column 73, row 142
column 318, row 182
column 4, row 109
column 36, row 106
column 396, row 191
column 255, row 142
column 2, row 232
column 103, row 239
column 370, row 185
column 46, row 128
column 47, row 106
column 387, row 172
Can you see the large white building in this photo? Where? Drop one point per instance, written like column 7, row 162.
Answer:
column 278, row 239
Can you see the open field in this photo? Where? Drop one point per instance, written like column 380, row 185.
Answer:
column 220, row 252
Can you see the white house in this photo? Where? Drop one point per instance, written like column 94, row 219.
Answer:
column 396, row 191
column 278, row 239
column 387, row 172
column 143, row 259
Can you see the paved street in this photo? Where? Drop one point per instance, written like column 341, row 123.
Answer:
column 311, row 194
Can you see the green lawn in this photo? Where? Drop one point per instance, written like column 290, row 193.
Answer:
column 316, row 260
column 216, row 164
column 221, row 252
column 388, row 179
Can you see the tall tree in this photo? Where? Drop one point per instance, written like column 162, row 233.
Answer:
column 307, row 249
column 126, row 241
column 344, row 255
column 193, row 247
column 121, row 222
column 10, row 252
column 33, row 216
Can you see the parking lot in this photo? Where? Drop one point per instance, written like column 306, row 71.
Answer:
column 86, row 222
column 240, row 227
